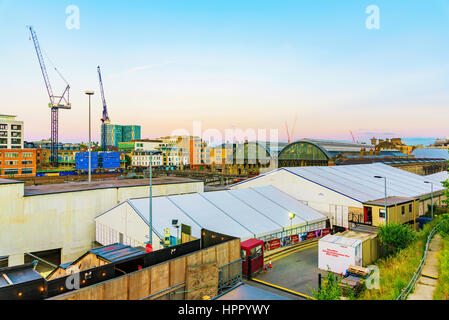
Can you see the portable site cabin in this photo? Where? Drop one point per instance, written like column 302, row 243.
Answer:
column 337, row 252
column 341, row 191
column 260, row 213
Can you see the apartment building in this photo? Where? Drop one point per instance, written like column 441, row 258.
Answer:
column 11, row 132
column 17, row 163
column 141, row 159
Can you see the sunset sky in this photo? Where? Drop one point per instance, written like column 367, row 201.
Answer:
column 244, row 64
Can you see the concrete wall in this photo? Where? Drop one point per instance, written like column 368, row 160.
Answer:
column 63, row 220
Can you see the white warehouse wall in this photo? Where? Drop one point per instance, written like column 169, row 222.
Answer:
column 63, row 220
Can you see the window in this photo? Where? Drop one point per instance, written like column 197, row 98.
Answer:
column 3, row 134
column 382, row 213
column 11, row 171
column 16, row 127
column 403, row 210
column 27, row 171
column 16, row 141
column 11, row 155
column 410, row 207
column 3, row 126
column 27, row 162
column 11, row 162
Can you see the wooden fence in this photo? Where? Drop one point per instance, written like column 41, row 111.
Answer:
column 173, row 276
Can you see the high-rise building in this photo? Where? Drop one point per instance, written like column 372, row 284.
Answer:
column 11, row 132
column 117, row 133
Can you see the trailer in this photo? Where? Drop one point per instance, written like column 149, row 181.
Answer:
column 337, row 252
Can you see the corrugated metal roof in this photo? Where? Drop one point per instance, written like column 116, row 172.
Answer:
column 358, row 182
column 431, row 153
column 242, row 213
column 116, row 252
column 438, row 177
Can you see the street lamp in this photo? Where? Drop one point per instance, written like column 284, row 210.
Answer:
column 386, row 212
column 291, row 215
column 150, row 240
column 431, row 196
column 89, row 93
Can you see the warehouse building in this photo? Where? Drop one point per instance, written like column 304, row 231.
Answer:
column 341, row 192
column 431, row 153
column 58, row 220
column 265, row 213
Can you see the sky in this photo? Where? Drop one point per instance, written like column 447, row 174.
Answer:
column 232, row 64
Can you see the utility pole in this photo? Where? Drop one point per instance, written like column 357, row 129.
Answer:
column 90, row 93
column 386, row 213
column 431, row 197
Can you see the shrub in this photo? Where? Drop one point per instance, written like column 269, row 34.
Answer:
column 330, row 288
column 395, row 237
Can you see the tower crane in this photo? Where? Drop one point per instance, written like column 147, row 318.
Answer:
column 105, row 118
column 56, row 102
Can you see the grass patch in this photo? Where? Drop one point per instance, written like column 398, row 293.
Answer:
column 396, row 270
column 442, row 289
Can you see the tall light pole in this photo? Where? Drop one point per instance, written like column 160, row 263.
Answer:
column 150, row 242
column 386, row 212
column 291, row 215
column 431, row 196
column 90, row 93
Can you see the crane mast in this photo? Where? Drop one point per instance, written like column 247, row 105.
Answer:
column 105, row 118
column 56, row 102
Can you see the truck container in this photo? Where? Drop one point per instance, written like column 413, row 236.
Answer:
column 109, row 160
column 82, row 160
column 337, row 252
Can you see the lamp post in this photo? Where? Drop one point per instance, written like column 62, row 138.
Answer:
column 90, row 93
column 386, row 212
column 291, row 215
column 150, row 239
column 431, row 196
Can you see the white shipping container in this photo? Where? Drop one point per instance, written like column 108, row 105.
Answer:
column 338, row 253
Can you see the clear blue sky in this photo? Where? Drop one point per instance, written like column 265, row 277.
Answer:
column 248, row 64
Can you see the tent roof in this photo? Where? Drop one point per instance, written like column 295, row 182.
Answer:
column 358, row 182
column 242, row 213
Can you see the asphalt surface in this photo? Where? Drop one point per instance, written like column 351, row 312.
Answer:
column 296, row 272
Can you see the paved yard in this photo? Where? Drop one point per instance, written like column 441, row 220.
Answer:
column 296, row 271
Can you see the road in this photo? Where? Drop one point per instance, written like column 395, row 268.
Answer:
column 296, row 271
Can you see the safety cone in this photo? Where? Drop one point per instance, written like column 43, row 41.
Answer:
column 270, row 265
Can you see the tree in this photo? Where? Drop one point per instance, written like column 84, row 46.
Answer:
column 395, row 237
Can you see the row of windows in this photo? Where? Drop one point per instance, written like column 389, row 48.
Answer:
column 9, row 172
column 4, row 126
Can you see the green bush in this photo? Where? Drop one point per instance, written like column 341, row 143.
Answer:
column 395, row 237
column 330, row 288
column 442, row 289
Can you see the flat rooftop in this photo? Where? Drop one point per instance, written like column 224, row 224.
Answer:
column 8, row 181
column 103, row 184
column 391, row 201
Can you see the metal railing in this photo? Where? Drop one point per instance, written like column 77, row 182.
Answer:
column 229, row 275
column 406, row 291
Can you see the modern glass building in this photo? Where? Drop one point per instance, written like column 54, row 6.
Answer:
column 118, row 133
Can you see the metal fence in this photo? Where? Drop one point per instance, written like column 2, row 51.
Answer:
column 229, row 275
column 406, row 291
